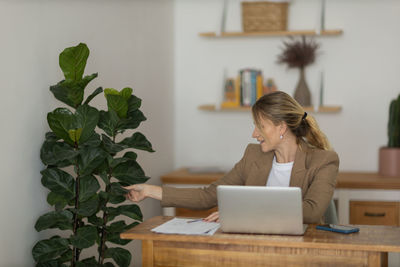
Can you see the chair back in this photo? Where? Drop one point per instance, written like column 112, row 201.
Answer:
column 330, row 213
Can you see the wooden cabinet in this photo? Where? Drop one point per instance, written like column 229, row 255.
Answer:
column 375, row 213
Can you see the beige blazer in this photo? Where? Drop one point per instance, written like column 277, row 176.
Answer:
column 314, row 171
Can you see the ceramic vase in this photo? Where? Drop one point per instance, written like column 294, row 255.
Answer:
column 302, row 93
column 389, row 161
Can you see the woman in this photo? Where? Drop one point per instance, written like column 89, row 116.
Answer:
column 292, row 151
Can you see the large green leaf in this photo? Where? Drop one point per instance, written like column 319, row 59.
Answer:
column 108, row 122
column 45, row 250
column 117, row 189
column 132, row 211
column 67, row 256
column 68, row 92
column 75, row 135
column 93, row 95
column 61, row 120
column 111, row 214
column 110, row 146
column 117, row 161
column 86, row 118
column 119, row 226
column 58, row 154
column 126, row 93
column 132, row 121
column 59, row 182
column 134, row 103
column 64, row 152
column 116, row 199
column 95, row 220
column 71, row 92
column 93, row 141
column 88, row 187
column 89, row 159
column 85, row 237
column 116, row 227
column 55, row 219
column 121, row 256
column 130, row 155
column 59, row 201
column 117, row 103
column 110, row 91
column 129, row 173
column 116, row 194
column 89, row 207
column 138, row 141
column 116, row 239
column 73, row 61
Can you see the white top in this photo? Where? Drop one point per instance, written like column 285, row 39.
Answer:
column 280, row 174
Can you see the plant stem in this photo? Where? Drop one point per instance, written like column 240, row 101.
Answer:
column 102, row 248
column 103, row 228
column 75, row 250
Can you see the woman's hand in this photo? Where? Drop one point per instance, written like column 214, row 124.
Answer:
column 213, row 217
column 138, row 192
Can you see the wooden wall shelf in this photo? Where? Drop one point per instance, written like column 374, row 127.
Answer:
column 323, row 109
column 273, row 33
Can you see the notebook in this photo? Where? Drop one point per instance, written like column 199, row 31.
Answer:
column 260, row 209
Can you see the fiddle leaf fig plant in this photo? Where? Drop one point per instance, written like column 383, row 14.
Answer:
column 86, row 169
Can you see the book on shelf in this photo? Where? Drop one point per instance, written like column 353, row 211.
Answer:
column 251, row 86
column 244, row 90
column 231, row 93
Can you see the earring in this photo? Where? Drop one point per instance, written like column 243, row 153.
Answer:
column 281, row 136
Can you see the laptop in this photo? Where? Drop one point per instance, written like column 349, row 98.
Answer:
column 260, row 209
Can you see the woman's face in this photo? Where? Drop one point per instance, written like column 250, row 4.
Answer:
column 267, row 134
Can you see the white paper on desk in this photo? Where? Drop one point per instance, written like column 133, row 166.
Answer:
column 181, row 226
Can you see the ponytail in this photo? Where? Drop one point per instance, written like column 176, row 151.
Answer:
column 314, row 136
column 280, row 107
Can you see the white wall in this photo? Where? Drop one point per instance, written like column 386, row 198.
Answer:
column 154, row 45
column 131, row 44
column 361, row 74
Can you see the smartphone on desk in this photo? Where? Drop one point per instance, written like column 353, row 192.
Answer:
column 344, row 229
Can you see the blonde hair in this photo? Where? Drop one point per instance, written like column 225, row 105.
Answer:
column 281, row 107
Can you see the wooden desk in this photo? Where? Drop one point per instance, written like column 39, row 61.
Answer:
column 356, row 194
column 369, row 247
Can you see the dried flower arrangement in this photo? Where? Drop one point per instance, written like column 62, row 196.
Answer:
column 299, row 54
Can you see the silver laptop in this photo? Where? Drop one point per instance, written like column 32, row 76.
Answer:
column 260, row 209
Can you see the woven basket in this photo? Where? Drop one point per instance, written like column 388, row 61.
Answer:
column 264, row 16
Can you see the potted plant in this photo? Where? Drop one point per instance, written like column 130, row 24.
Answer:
column 85, row 170
column 300, row 54
column 389, row 157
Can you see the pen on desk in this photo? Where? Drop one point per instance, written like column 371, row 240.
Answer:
column 196, row 220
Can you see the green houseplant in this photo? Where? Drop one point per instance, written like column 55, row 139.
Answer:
column 389, row 157
column 85, row 169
